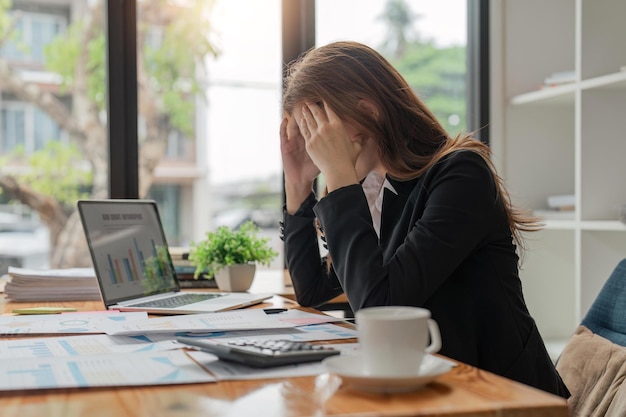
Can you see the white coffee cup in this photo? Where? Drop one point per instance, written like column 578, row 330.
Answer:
column 393, row 339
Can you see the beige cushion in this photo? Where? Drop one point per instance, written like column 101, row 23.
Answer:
column 593, row 368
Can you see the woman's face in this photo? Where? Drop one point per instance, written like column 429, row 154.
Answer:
column 368, row 160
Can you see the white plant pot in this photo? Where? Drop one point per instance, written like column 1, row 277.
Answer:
column 235, row 277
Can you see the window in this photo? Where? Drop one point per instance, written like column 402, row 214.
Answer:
column 424, row 39
column 53, row 147
column 13, row 127
column 226, row 167
column 26, row 128
column 33, row 31
column 207, row 127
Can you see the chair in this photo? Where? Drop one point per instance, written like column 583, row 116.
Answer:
column 593, row 363
column 607, row 315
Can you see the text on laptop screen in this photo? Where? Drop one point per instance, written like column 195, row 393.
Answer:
column 129, row 250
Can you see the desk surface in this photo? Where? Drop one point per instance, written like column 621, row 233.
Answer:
column 464, row 391
column 279, row 282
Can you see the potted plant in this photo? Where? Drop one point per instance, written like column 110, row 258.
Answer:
column 232, row 255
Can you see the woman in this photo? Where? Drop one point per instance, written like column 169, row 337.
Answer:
column 411, row 215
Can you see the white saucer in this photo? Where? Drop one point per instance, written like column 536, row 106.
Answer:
column 353, row 374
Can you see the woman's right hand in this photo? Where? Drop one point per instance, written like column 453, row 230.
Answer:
column 300, row 171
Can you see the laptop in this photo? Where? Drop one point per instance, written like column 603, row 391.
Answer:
column 133, row 266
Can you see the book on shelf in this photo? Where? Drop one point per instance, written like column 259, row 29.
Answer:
column 554, row 214
column 559, row 78
column 185, row 270
column 200, row 282
column 566, row 202
column 187, row 279
column 67, row 284
column 188, row 271
column 179, row 253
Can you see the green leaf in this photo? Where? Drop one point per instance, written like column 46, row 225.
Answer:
column 226, row 246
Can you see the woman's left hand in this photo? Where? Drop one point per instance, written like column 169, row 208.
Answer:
column 329, row 145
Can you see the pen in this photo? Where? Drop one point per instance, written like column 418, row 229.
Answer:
column 274, row 310
column 43, row 310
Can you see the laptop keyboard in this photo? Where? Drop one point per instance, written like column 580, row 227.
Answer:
column 179, row 300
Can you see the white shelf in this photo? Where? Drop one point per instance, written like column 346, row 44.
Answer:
column 604, row 225
column 564, row 94
column 614, row 81
column 560, row 94
column 565, row 139
column 560, row 224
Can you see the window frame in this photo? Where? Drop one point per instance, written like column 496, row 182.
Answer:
column 478, row 74
column 122, row 111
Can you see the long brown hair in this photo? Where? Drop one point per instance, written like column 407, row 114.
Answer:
column 409, row 137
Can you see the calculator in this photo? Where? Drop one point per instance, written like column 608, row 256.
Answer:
column 262, row 353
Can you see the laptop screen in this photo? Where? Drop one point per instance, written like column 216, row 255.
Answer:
column 128, row 248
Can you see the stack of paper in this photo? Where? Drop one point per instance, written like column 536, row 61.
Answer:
column 68, row 284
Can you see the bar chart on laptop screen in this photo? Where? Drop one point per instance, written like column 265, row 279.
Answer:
column 135, row 264
column 130, row 252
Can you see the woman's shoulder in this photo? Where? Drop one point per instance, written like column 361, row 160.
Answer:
column 466, row 164
column 463, row 159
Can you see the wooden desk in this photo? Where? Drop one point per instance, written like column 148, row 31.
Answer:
column 464, row 391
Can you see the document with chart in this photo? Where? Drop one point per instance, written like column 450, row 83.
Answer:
column 252, row 319
column 109, row 370
column 98, row 344
column 66, row 323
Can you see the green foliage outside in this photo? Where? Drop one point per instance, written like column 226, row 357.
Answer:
column 4, row 17
column 170, row 62
column 437, row 75
column 54, row 170
column 226, row 246
column 63, row 53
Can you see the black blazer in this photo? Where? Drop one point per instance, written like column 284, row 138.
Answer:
column 445, row 245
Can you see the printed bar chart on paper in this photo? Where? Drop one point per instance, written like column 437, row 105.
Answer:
column 67, row 323
column 151, row 368
column 50, row 347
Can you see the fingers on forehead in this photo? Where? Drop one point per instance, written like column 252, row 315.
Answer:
column 293, row 128
column 318, row 111
column 330, row 113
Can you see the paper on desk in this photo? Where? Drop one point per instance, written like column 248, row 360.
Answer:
column 112, row 370
column 207, row 323
column 67, row 284
column 49, row 347
column 67, row 323
column 225, row 370
column 45, row 347
column 313, row 332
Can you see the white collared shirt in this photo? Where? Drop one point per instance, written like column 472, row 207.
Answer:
column 374, row 188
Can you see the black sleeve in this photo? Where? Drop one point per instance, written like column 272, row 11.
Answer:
column 313, row 283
